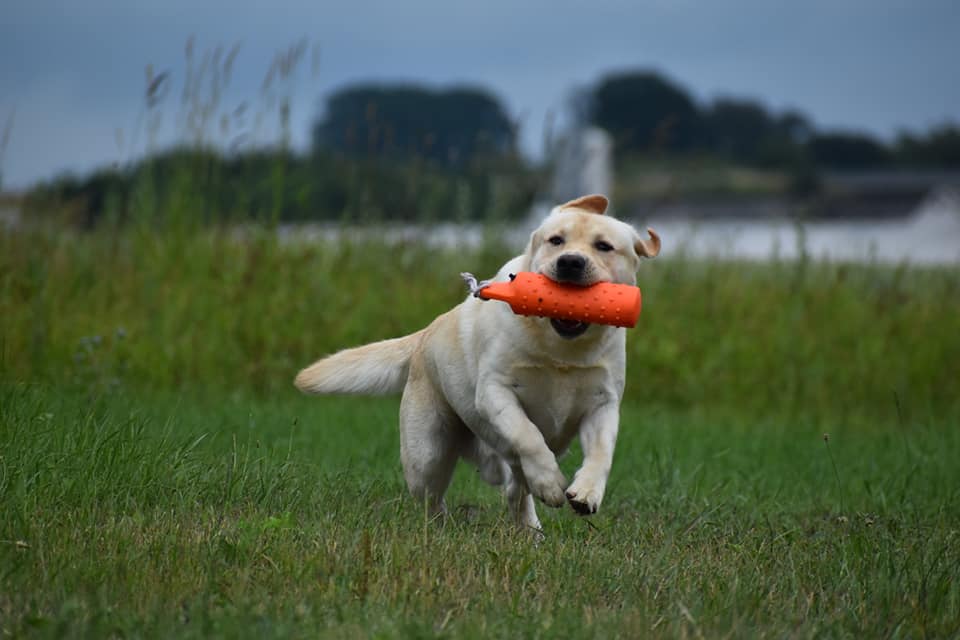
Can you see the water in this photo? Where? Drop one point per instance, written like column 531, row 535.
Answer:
column 930, row 235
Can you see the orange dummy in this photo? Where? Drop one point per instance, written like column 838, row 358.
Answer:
column 532, row 294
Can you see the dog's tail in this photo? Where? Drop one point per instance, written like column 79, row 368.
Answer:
column 374, row 369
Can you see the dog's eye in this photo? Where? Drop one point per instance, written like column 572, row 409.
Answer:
column 602, row 245
column 556, row 240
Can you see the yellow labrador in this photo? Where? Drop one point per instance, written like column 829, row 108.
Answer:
column 506, row 392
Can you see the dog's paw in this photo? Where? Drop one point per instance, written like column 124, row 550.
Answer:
column 585, row 497
column 551, row 496
column 546, row 483
column 551, row 491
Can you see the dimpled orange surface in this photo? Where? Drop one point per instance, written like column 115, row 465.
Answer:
column 532, row 294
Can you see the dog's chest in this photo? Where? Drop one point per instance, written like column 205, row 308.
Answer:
column 557, row 399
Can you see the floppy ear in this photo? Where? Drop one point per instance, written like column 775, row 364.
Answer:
column 648, row 248
column 531, row 247
column 594, row 203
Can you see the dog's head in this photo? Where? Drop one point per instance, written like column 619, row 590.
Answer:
column 578, row 244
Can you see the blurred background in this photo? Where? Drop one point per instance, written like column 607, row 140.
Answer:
column 725, row 125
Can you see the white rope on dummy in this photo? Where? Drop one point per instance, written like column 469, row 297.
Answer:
column 474, row 286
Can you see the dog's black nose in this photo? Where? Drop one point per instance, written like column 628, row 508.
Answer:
column 571, row 262
column 570, row 267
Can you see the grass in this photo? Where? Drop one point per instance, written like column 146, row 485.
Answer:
column 160, row 477
column 207, row 311
column 174, row 516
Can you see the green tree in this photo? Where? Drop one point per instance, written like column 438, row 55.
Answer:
column 449, row 127
column 645, row 111
column 743, row 130
column 845, row 150
column 940, row 147
column 739, row 128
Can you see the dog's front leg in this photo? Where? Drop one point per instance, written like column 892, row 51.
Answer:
column 598, row 436
column 511, row 433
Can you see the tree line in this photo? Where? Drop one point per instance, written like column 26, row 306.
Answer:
column 647, row 113
column 407, row 152
column 379, row 153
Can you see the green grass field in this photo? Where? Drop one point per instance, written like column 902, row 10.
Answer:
column 159, row 476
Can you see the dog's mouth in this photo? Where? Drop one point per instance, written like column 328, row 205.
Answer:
column 569, row 328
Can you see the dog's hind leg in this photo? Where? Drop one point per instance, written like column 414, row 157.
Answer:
column 431, row 438
column 523, row 509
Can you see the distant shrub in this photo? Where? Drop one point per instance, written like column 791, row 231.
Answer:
column 199, row 187
column 848, row 151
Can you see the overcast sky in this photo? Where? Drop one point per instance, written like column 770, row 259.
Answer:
column 73, row 71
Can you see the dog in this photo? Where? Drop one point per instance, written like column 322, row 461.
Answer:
column 509, row 393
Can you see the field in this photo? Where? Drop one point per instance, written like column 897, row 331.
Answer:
column 787, row 464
